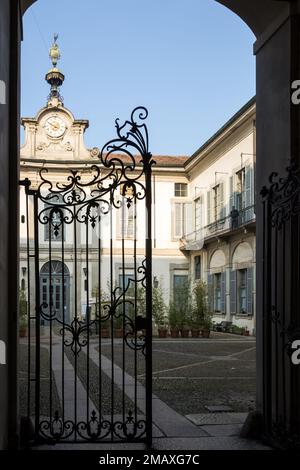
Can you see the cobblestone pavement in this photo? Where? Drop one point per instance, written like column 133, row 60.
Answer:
column 190, row 374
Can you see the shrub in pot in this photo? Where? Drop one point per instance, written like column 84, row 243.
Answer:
column 23, row 326
column 105, row 333
column 173, row 320
column 183, row 307
column 23, row 319
column 118, row 326
column 159, row 310
column 162, row 330
column 206, row 326
column 199, row 309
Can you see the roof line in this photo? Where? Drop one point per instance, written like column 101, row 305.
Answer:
column 239, row 113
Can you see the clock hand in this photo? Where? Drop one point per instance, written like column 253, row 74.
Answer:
column 55, row 126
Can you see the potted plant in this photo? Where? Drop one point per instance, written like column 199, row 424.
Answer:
column 118, row 326
column 199, row 308
column 206, row 326
column 173, row 321
column 23, row 318
column 159, row 310
column 23, row 325
column 183, row 302
column 162, row 330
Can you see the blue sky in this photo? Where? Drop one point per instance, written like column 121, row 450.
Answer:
column 190, row 62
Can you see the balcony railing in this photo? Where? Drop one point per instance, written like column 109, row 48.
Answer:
column 234, row 221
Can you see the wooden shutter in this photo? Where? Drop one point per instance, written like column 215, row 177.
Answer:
column 233, row 293
column 232, row 194
column 222, row 210
column 223, row 292
column 209, row 214
column 210, row 291
column 188, row 214
column 248, row 186
column 250, row 290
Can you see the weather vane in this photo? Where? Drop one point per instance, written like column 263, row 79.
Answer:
column 54, row 51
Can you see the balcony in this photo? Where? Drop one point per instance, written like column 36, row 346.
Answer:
column 222, row 228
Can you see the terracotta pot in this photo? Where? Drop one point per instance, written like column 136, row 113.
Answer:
column 205, row 333
column 105, row 333
column 174, row 333
column 118, row 333
column 162, row 333
column 195, row 333
column 23, row 332
column 185, row 333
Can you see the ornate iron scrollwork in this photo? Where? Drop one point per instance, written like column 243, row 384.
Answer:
column 283, row 195
column 117, row 180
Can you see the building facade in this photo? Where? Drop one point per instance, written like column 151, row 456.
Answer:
column 54, row 148
column 221, row 247
column 203, row 217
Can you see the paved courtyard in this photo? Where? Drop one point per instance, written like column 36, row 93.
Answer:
column 203, row 388
column 192, row 374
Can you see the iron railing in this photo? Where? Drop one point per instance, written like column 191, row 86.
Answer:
column 234, row 221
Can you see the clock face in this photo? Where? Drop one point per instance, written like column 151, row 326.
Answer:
column 55, row 127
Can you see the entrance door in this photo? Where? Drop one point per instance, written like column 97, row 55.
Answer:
column 55, row 289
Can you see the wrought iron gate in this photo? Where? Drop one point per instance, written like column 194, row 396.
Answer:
column 89, row 295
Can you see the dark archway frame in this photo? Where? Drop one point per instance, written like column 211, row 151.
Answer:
column 276, row 25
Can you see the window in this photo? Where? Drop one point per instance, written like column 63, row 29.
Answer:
column 242, row 290
column 55, row 225
column 216, row 286
column 216, row 201
column 181, row 189
column 127, row 220
column 124, row 281
column 197, row 267
column 216, row 209
column 182, row 222
column 217, row 292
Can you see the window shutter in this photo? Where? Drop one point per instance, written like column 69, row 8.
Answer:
column 232, row 194
column 222, row 201
column 210, row 291
column 250, row 290
column 223, row 292
column 178, row 225
column 248, row 186
column 188, row 218
column 233, row 292
column 209, row 198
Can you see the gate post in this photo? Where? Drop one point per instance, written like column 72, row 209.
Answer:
column 148, row 188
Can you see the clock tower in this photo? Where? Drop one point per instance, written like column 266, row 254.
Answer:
column 54, row 134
